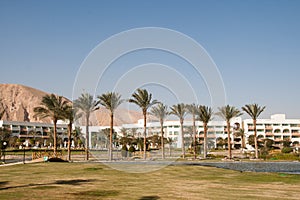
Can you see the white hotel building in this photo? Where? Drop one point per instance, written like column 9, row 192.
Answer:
column 277, row 128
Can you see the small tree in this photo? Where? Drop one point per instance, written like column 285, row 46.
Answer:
column 180, row 111
column 286, row 143
column 70, row 114
column 193, row 110
column 86, row 104
column 205, row 115
column 161, row 112
column 227, row 113
column 143, row 99
column 52, row 106
column 110, row 101
column 241, row 133
column 254, row 110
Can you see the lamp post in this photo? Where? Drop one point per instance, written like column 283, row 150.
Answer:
column 24, row 144
column 4, row 146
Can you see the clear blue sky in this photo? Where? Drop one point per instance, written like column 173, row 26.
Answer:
column 255, row 44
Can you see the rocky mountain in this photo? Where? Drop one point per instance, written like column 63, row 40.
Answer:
column 18, row 102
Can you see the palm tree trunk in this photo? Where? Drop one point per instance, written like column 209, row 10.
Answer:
column 54, row 139
column 162, row 139
column 110, row 136
column 145, row 129
column 205, row 141
column 69, row 141
column 229, row 140
column 255, row 139
column 194, row 136
column 182, row 139
column 87, row 138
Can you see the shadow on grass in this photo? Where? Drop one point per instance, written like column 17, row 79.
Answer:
column 2, row 183
column 73, row 182
column 48, row 185
column 97, row 193
column 149, row 198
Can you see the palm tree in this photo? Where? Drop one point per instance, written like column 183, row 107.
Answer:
column 87, row 105
column 124, row 131
column 110, row 101
column 161, row 112
column 169, row 142
column 70, row 115
column 227, row 113
column 143, row 99
column 241, row 133
column 205, row 115
column 193, row 109
column 76, row 133
column 254, row 110
column 52, row 106
column 180, row 111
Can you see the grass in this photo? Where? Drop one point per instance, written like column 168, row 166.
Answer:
column 98, row 181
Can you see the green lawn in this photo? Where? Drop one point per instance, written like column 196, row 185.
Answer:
column 97, row 181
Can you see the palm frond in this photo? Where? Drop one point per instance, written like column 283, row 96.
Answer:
column 253, row 110
column 160, row 111
column 205, row 113
column 110, row 101
column 228, row 112
column 85, row 103
column 143, row 99
column 180, row 110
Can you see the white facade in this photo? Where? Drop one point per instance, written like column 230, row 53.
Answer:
column 216, row 129
column 277, row 128
column 27, row 129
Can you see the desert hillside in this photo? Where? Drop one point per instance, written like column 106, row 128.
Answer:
column 18, row 102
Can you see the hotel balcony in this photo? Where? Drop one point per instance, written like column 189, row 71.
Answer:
column 296, row 134
column 269, row 134
column 277, row 139
column 269, row 128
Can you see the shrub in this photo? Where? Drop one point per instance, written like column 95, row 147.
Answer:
column 287, row 150
column 131, row 149
column 284, row 156
column 264, row 152
column 211, row 156
column 124, row 151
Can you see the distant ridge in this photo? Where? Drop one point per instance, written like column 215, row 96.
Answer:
column 19, row 102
